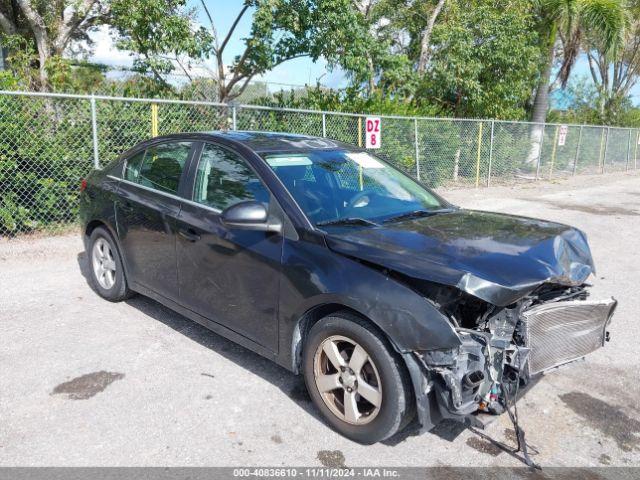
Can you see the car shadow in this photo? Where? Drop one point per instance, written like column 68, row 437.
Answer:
column 291, row 385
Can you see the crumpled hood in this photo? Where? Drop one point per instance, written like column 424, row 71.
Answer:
column 498, row 258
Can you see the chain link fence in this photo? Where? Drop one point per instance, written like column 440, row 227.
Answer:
column 48, row 142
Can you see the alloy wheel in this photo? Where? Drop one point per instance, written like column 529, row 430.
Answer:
column 104, row 265
column 348, row 380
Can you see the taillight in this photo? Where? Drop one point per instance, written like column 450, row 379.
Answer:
column 83, row 184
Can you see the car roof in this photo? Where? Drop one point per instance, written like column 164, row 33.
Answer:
column 280, row 142
column 266, row 141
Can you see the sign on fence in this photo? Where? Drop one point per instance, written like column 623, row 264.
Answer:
column 373, row 137
column 562, row 135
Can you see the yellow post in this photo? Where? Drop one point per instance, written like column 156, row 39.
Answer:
column 154, row 119
column 554, row 150
column 478, row 158
column 360, row 145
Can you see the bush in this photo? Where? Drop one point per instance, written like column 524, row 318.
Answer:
column 45, row 149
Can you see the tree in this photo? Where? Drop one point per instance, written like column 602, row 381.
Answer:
column 604, row 20
column 282, row 30
column 483, row 60
column 161, row 34
column 164, row 35
column 571, row 20
column 51, row 26
column 615, row 78
column 425, row 41
column 458, row 57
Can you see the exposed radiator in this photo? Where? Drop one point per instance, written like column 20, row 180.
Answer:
column 560, row 332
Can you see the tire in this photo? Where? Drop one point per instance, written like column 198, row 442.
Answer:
column 103, row 256
column 382, row 378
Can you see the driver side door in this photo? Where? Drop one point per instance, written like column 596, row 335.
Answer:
column 227, row 275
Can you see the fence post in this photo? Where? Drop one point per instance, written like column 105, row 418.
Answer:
column 554, row 150
column 606, row 147
column 575, row 160
column 154, row 119
column 415, row 131
column 94, row 132
column 324, row 125
column 478, row 157
column 234, row 122
column 635, row 155
column 626, row 168
column 601, row 149
column 544, row 127
column 490, row 154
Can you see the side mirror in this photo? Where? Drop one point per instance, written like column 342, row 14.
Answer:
column 250, row 215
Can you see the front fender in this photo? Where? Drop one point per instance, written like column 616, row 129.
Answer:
column 409, row 321
column 314, row 276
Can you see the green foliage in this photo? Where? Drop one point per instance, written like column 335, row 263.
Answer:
column 348, row 100
column 485, row 60
column 283, row 29
column 606, row 19
column 39, row 179
column 604, row 22
column 484, row 63
column 68, row 76
column 22, row 55
column 155, row 29
column 586, row 105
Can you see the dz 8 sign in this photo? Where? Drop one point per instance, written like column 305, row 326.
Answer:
column 373, row 130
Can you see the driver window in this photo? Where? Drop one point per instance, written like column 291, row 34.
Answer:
column 224, row 179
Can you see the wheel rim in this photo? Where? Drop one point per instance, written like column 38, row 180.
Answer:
column 104, row 266
column 348, row 380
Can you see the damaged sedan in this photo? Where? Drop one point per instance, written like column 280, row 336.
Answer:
column 394, row 304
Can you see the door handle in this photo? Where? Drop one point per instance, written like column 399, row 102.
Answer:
column 126, row 206
column 190, row 235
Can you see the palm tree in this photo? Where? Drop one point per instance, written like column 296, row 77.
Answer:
column 570, row 20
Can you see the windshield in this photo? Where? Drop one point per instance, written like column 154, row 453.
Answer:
column 350, row 187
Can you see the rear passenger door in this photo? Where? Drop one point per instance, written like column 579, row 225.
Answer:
column 227, row 275
column 146, row 212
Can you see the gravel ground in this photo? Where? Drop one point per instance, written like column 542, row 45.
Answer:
column 88, row 383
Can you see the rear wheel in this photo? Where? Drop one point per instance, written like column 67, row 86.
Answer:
column 105, row 265
column 357, row 381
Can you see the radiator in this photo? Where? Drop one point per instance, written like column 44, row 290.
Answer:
column 561, row 332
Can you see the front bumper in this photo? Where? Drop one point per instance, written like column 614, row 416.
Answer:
column 548, row 335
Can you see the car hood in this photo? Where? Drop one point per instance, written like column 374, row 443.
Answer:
column 498, row 258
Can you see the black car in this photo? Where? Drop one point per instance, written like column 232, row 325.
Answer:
column 393, row 303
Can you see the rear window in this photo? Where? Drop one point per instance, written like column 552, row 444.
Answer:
column 159, row 167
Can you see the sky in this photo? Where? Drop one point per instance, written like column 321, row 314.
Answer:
column 299, row 71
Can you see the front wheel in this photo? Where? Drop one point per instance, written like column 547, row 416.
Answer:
column 358, row 382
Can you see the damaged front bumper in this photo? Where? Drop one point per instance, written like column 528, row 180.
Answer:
column 512, row 345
